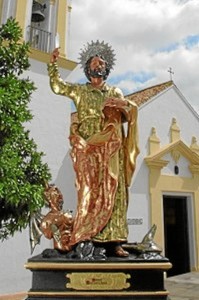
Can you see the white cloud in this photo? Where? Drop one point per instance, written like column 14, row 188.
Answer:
column 137, row 30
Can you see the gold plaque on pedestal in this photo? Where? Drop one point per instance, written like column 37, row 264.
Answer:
column 98, row 281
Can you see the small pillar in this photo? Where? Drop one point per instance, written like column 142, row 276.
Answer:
column 154, row 142
column 174, row 131
column 194, row 145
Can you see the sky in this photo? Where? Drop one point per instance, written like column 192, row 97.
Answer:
column 148, row 37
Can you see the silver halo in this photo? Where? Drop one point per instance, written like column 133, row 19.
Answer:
column 94, row 49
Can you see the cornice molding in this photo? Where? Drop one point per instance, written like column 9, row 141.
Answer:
column 177, row 147
column 45, row 58
column 194, row 169
column 156, row 164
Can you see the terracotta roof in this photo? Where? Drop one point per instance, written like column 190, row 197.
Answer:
column 143, row 96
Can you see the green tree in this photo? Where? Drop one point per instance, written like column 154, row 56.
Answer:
column 22, row 173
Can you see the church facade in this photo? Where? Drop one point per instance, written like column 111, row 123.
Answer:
column 165, row 190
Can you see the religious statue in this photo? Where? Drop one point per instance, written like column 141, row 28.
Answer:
column 103, row 152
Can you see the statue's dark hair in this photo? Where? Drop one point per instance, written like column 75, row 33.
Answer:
column 87, row 67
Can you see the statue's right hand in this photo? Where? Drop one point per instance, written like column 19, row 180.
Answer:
column 54, row 55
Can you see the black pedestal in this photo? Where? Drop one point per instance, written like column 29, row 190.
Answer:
column 114, row 278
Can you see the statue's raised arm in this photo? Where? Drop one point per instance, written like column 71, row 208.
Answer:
column 57, row 84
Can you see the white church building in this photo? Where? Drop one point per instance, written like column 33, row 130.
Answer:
column 165, row 189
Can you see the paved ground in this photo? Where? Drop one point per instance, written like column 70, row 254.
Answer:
column 182, row 287
column 17, row 296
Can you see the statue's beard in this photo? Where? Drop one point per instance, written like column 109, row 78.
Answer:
column 97, row 73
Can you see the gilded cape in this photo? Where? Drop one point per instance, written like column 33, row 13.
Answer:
column 103, row 157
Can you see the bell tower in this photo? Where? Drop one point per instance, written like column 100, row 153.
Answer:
column 44, row 24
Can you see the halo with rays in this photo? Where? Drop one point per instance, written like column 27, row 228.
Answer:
column 97, row 48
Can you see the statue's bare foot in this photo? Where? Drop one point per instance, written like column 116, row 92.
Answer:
column 119, row 251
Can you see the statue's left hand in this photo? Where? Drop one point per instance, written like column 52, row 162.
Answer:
column 115, row 102
column 54, row 55
column 115, row 107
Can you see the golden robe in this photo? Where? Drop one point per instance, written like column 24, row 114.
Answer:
column 103, row 159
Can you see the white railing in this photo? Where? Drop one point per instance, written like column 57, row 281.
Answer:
column 39, row 39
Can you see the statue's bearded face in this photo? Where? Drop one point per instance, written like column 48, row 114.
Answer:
column 97, row 67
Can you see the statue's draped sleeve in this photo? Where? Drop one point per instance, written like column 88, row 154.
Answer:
column 131, row 149
column 61, row 87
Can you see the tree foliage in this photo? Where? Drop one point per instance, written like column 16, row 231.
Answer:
column 22, row 172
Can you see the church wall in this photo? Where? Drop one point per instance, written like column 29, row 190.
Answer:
column 137, row 215
column 50, row 128
column 158, row 114
column 50, row 123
